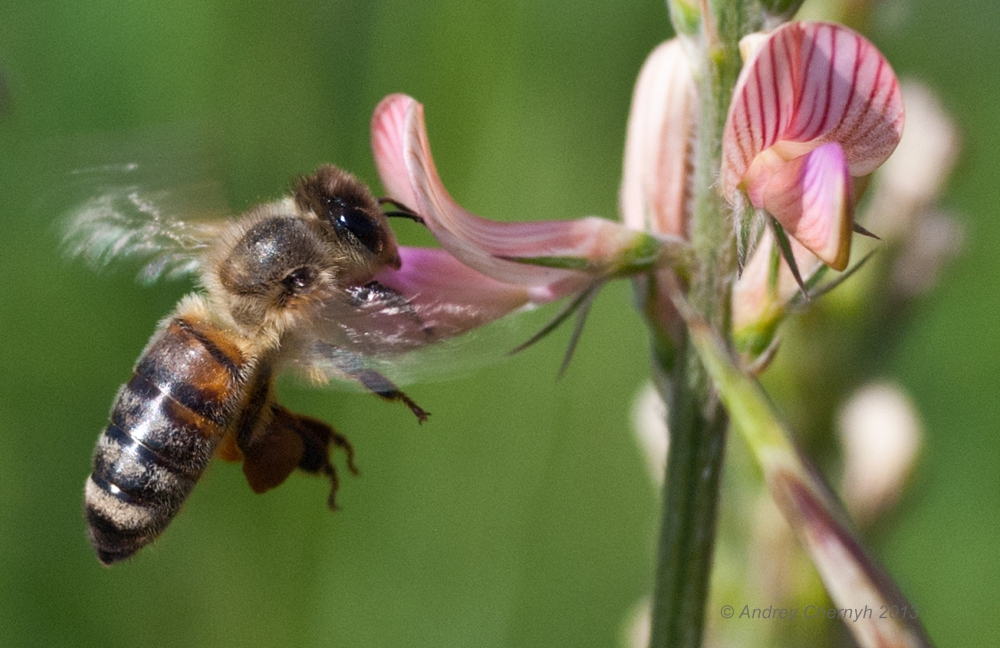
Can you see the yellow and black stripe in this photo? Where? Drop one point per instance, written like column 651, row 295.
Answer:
column 165, row 425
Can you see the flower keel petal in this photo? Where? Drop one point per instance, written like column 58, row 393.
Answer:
column 449, row 297
column 811, row 197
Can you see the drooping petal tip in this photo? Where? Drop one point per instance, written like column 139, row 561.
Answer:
column 387, row 131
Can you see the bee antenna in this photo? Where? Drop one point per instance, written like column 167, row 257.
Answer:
column 416, row 218
column 402, row 212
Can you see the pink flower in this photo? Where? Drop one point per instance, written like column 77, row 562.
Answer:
column 654, row 189
column 815, row 107
column 487, row 269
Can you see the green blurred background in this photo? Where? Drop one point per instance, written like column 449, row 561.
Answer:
column 521, row 515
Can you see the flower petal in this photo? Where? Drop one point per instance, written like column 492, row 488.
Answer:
column 449, row 297
column 388, row 128
column 811, row 83
column 404, row 161
column 653, row 191
column 811, row 197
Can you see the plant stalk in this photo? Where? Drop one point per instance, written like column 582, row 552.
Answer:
column 696, row 420
column 687, row 536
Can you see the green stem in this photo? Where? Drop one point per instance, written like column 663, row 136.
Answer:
column 687, row 535
column 696, row 420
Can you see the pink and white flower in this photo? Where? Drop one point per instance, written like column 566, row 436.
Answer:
column 816, row 107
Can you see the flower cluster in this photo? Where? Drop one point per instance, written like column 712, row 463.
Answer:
column 815, row 110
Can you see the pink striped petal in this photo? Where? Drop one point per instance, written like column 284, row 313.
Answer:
column 653, row 191
column 811, row 197
column 810, row 83
column 403, row 158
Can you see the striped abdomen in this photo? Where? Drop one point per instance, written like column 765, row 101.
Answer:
column 165, row 426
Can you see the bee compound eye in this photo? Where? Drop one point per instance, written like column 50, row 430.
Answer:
column 348, row 218
column 299, row 280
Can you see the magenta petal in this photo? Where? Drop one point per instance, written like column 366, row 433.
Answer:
column 811, row 83
column 448, row 297
column 811, row 197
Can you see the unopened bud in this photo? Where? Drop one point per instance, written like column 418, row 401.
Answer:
column 881, row 436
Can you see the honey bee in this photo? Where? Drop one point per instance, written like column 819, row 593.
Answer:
column 287, row 284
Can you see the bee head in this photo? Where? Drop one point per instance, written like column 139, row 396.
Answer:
column 279, row 258
column 351, row 216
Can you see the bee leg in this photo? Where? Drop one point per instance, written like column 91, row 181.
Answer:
column 352, row 366
column 384, row 388
column 289, row 441
column 317, row 437
column 273, row 451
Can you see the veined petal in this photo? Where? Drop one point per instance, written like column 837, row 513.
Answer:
column 810, row 83
column 653, row 192
column 811, row 197
column 404, row 161
column 388, row 127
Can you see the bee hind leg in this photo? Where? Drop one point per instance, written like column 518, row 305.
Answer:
column 293, row 441
column 318, row 437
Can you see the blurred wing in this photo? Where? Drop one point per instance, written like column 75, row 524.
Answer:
column 322, row 362
column 154, row 210
column 126, row 222
column 412, row 324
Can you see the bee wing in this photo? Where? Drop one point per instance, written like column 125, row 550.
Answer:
column 127, row 222
column 155, row 209
column 380, row 335
column 339, row 365
column 410, row 325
